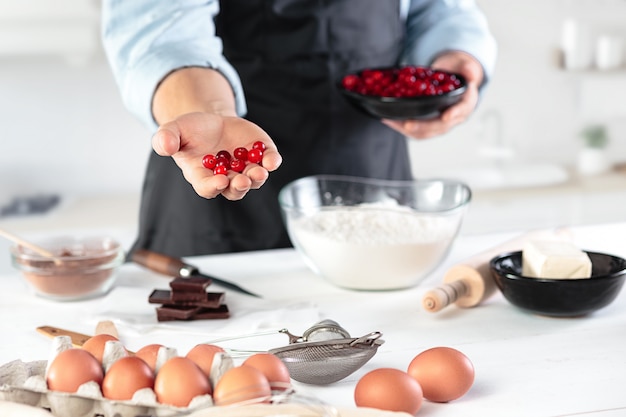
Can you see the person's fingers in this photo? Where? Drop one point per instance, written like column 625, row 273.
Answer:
column 463, row 109
column 455, row 115
column 238, row 187
column 210, row 186
column 271, row 159
column 166, row 140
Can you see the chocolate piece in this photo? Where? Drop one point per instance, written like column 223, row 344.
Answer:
column 210, row 300
column 160, row 297
column 176, row 312
column 221, row 312
column 184, row 296
column 171, row 313
column 191, row 284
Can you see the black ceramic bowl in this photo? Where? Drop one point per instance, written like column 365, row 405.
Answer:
column 420, row 107
column 560, row 297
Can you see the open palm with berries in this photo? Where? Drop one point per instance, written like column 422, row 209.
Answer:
column 190, row 138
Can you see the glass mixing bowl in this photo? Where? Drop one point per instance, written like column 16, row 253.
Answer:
column 370, row 234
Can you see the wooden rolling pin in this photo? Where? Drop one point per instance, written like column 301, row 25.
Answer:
column 469, row 282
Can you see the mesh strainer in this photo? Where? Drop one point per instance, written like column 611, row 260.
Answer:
column 327, row 361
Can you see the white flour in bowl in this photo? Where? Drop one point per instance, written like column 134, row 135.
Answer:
column 373, row 247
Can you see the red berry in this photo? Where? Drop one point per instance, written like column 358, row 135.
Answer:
column 408, row 81
column 224, row 154
column 350, row 82
column 259, row 145
column 237, row 165
column 220, row 170
column 222, row 160
column 209, row 161
column 255, row 156
column 240, row 153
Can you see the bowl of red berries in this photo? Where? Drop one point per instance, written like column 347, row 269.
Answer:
column 401, row 93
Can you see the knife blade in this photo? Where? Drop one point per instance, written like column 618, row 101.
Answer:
column 175, row 267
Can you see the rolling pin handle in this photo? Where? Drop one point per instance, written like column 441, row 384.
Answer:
column 444, row 295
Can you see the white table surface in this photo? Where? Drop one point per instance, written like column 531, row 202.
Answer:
column 526, row 365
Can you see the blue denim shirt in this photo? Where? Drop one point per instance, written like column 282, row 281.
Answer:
column 147, row 39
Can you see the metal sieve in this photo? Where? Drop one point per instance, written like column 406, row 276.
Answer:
column 325, row 353
column 324, row 330
column 327, row 361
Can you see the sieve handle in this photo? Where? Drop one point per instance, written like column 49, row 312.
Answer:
column 368, row 339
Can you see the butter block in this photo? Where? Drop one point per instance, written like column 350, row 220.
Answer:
column 554, row 259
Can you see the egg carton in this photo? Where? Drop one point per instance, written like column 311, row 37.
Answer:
column 25, row 383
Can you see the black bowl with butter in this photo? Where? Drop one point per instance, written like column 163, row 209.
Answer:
column 560, row 297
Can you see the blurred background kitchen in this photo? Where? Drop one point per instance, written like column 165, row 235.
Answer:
column 546, row 147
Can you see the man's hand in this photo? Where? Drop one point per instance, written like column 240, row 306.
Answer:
column 191, row 136
column 456, row 62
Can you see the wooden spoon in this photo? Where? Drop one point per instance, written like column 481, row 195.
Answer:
column 37, row 249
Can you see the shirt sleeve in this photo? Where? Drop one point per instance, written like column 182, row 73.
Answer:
column 436, row 26
column 145, row 40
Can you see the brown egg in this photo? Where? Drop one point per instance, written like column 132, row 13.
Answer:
column 95, row 344
column 125, row 377
column 272, row 367
column 71, row 368
column 202, row 355
column 180, row 380
column 389, row 389
column 149, row 354
column 444, row 373
column 242, row 383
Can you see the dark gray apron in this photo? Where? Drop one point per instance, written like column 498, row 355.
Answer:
column 289, row 55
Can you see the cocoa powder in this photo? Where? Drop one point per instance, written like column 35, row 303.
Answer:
column 74, row 274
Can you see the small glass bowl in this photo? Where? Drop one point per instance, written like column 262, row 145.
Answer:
column 85, row 267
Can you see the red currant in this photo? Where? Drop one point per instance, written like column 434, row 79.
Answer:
column 209, row 161
column 220, row 170
column 237, row 165
column 255, row 156
column 240, row 153
column 350, row 82
column 408, row 81
column 224, row 154
column 259, row 145
column 222, row 160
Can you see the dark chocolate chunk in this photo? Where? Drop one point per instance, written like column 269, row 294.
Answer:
column 191, row 284
column 170, row 313
column 220, row 312
column 176, row 312
column 210, row 300
column 187, row 296
column 160, row 297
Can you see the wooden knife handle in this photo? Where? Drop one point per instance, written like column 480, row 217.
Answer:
column 78, row 339
column 158, row 262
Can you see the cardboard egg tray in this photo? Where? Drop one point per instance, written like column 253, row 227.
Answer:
column 24, row 383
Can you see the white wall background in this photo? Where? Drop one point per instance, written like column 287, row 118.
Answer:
column 541, row 107
column 63, row 127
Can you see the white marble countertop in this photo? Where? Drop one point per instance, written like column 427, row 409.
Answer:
column 526, row 365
